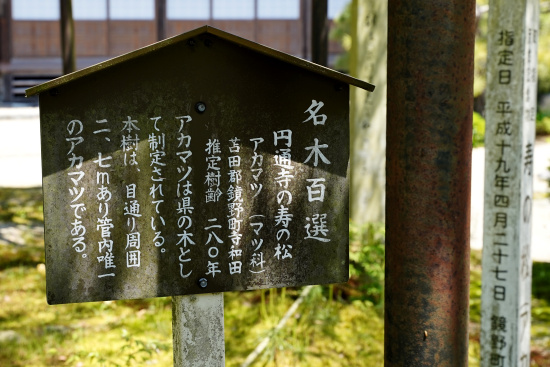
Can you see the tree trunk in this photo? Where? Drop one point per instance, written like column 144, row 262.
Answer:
column 368, row 111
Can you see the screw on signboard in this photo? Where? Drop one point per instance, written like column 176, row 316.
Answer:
column 203, row 282
column 200, row 107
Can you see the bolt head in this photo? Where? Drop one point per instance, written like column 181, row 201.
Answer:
column 203, row 282
column 200, row 107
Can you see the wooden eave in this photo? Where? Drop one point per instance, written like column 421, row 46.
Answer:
column 191, row 34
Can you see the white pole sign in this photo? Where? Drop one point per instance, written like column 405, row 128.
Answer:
column 509, row 145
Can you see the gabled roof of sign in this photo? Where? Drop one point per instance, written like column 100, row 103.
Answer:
column 196, row 32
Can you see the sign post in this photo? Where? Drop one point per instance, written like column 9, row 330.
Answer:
column 509, row 144
column 201, row 164
column 197, row 329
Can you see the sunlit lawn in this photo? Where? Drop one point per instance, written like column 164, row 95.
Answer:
column 321, row 333
column 325, row 331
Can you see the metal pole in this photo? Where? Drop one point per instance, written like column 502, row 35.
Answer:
column 319, row 32
column 67, row 37
column 304, row 15
column 108, row 26
column 429, row 142
column 255, row 20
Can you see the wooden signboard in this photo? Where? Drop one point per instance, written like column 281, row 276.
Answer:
column 204, row 163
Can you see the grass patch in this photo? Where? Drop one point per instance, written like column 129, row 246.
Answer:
column 106, row 333
column 541, row 280
column 22, row 206
column 321, row 333
column 340, row 325
column 13, row 256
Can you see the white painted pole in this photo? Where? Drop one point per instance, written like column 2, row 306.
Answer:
column 509, row 145
column 198, row 331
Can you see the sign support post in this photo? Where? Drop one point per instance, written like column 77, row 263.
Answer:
column 197, row 328
column 509, row 144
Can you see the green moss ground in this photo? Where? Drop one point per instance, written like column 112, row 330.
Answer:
column 334, row 326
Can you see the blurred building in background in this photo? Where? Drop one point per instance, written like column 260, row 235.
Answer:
column 30, row 31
